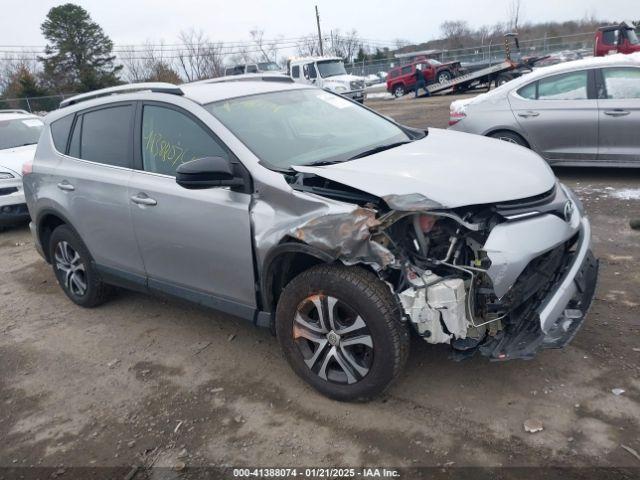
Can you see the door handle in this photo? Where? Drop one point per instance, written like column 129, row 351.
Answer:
column 143, row 200
column 617, row 112
column 528, row 114
column 66, row 186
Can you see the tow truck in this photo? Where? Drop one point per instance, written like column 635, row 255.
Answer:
column 498, row 73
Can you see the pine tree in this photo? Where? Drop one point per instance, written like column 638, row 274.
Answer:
column 78, row 56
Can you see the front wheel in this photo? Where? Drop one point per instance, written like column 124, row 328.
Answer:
column 340, row 330
column 444, row 76
column 399, row 91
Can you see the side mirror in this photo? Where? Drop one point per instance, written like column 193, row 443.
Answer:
column 207, row 172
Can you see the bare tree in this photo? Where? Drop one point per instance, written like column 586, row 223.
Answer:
column 514, row 11
column 455, row 32
column 308, row 46
column 199, row 58
column 345, row 46
column 267, row 51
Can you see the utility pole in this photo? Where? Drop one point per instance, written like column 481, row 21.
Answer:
column 319, row 32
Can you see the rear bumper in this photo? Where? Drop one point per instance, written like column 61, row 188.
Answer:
column 557, row 319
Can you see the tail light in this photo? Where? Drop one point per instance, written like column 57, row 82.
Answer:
column 455, row 117
column 27, row 167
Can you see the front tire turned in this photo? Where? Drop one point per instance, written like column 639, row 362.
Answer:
column 341, row 331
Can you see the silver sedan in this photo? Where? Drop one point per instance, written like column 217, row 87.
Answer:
column 585, row 112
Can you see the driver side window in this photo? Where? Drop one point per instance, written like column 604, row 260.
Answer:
column 170, row 138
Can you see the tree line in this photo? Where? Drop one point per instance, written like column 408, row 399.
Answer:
column 79, row 56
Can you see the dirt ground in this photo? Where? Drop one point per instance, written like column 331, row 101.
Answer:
column 148, row 381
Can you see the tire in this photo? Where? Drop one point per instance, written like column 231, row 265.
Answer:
column 510, row 137
column 399, row 91
column 372, row 343
column 74, row 269
column 444, row 76
column 502, row 79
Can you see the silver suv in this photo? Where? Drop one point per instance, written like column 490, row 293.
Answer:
column 307, row 213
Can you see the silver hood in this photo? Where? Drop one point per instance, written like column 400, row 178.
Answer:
column 451, row 168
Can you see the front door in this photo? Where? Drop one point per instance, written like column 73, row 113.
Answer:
column 196, row 244
column 619, row 115
column 559, row 116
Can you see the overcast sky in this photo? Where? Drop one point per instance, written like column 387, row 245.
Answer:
column 134, row 21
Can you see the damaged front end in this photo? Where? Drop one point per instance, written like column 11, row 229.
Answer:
column 505, row 279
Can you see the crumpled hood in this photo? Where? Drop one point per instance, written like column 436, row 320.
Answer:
column 13, row 158
column 451, row 168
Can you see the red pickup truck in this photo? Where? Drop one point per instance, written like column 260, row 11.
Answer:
column 616, row 39
column 401, row 80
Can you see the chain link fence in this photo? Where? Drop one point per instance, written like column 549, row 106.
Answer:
column 489, row 53
column 34, row 104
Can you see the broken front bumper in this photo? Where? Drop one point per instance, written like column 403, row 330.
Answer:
column 559, row 316
column 13, row 208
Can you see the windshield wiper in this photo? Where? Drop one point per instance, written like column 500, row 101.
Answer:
column 379, row 148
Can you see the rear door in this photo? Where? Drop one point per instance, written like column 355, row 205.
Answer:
column 619, row 115
column 195, row 243
column 559, row 115
column 92, row 181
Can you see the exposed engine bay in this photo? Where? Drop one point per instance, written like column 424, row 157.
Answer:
column 471, row 277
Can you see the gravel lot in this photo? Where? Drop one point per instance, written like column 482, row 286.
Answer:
column 150, row 381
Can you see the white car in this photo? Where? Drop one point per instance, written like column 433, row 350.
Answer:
column 19, row 134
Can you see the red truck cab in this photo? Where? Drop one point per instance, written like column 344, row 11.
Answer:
column 401, row 80
column 616, row 39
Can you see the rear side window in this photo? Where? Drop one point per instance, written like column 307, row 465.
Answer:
column 568, row 86
column 252, row 69
column 529, row 91
column 406, row 70
column 295, row 71
column 106, row 135
column 60, row 132
column 622, row 83
column 170, row 138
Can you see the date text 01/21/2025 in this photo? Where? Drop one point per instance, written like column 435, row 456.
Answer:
column 316, row 473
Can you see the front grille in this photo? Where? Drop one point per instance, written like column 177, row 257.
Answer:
column 529, row 203
column 8, row 191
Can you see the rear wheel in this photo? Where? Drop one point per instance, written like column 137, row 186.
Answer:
column 74, row 270
column 340, row 330
column 510, row 137
column 399, row 91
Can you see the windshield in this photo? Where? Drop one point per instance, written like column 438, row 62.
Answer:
column 304, row 127
column 19, row 132
column 632, row 37
column 268, row 67
column 331, row 68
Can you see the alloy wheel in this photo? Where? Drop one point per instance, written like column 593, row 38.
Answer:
column 508, row 139
column 70, row 265
column 333, row 339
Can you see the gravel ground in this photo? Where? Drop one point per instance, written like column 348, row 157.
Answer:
column 149, row 381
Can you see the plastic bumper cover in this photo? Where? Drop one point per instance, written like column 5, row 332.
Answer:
column 560, row 315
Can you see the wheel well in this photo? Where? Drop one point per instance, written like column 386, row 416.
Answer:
column 506, row 130
column 284, row 268
column 46, row 226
